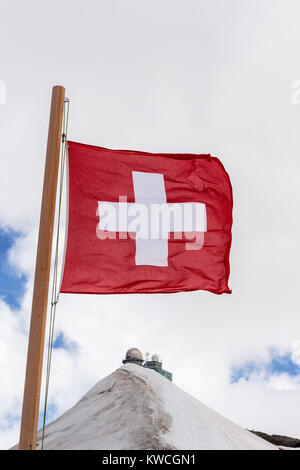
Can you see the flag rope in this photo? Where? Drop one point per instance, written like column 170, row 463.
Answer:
column 54, row 292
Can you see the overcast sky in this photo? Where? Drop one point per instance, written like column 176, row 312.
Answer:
column 201, row 76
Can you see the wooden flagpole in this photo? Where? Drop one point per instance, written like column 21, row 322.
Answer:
column 31, row 399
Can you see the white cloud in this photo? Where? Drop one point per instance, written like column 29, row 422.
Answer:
column 12, row 366
column 296, row 352
column 283, row 382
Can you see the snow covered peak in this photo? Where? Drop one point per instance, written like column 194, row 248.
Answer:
column 137, row 408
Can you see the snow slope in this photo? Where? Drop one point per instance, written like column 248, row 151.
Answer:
column 137, row 408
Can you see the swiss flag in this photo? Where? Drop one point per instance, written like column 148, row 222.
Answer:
column 146, row 223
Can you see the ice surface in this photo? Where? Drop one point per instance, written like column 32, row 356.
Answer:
column 137, row 408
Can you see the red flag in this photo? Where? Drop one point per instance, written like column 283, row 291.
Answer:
column 146, row 223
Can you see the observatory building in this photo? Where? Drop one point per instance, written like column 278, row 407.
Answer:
column 134, row 356
column 156, row 364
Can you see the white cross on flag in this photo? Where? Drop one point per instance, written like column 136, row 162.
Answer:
column 146, row 223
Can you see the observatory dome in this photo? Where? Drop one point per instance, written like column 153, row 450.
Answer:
column 134, row 356
column 155, row 357
column 134, row 353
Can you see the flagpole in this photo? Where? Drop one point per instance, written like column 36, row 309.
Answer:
column 31, row 398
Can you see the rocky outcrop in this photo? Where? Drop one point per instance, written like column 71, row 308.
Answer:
column 283, row 441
